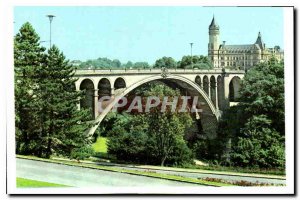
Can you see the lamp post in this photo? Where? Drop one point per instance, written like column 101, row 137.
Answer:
column 50, row 19
column 192, row 53
column 244, row 62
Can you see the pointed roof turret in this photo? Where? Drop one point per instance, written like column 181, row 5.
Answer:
column 213, row 24
column 259, row 41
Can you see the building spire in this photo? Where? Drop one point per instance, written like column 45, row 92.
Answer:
column 213, row 24
column 259, row 40
column 259, row 35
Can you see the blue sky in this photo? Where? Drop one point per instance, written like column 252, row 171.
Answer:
column 148, row 33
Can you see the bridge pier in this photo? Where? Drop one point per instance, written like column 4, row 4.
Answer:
column 95, row 103
column 209, row 89
column 112, row 91
column 216, row 95
column 226, row 92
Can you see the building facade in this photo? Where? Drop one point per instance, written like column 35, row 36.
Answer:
column 245, row 56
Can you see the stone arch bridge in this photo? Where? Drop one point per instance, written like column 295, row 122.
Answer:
column 216, row 89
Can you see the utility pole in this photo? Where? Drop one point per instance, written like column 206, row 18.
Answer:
column 244, row 62
column 50, row 19
column 192, row 54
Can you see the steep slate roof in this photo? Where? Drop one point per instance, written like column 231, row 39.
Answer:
column 259, row 41
column 241, row 47
column 213, row 24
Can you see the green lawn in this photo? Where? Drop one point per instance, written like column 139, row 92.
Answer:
column 100, row 145
column 22, row 182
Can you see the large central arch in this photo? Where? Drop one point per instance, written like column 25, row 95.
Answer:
column 209, row 116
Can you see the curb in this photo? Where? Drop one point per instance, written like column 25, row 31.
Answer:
column 262, row 176
column 221, row 173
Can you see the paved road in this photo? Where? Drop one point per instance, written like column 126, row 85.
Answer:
column 84, row 177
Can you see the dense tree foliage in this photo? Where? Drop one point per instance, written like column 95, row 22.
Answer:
column 141, row 65
column 82, row 153
column 100, row 63
column 256, row 126
column 153, row 138
column 166, row 62
column 262, row 93
column 28, row 59
column 47, row 118
column 105, row 63
column 62, row 128
column 199, row 62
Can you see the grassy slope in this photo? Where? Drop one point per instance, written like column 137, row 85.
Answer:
column 100, row 145
column 22, row 182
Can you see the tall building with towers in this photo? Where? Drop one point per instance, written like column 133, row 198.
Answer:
column 242, row 56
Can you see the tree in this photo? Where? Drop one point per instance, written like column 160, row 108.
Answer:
column 167, row 128
column 82, row 153
column 154, row 137
column 28, row 59
column 105, row 63
column 128, row 138
column 100, row 63
column 167, row 132
column 47, row 119
column 141, row 65
column 260, row 145
column 256, row 124
column 128, row 65
column 200, row 62
column 166, row 62
column 262, row 93
column 63, row 126
column 116, row 63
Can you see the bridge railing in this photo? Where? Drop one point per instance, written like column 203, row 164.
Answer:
column 151, row 71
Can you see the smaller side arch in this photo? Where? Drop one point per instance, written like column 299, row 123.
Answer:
column 104, row 87
column 206, row 84
column 119, row 83
column 234, row 88
column 198, row 80
column 87, row 102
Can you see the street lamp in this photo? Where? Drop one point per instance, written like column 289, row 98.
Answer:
column 192, row 53
column 50, row 19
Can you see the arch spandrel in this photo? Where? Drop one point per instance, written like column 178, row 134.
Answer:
column 208, row 116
